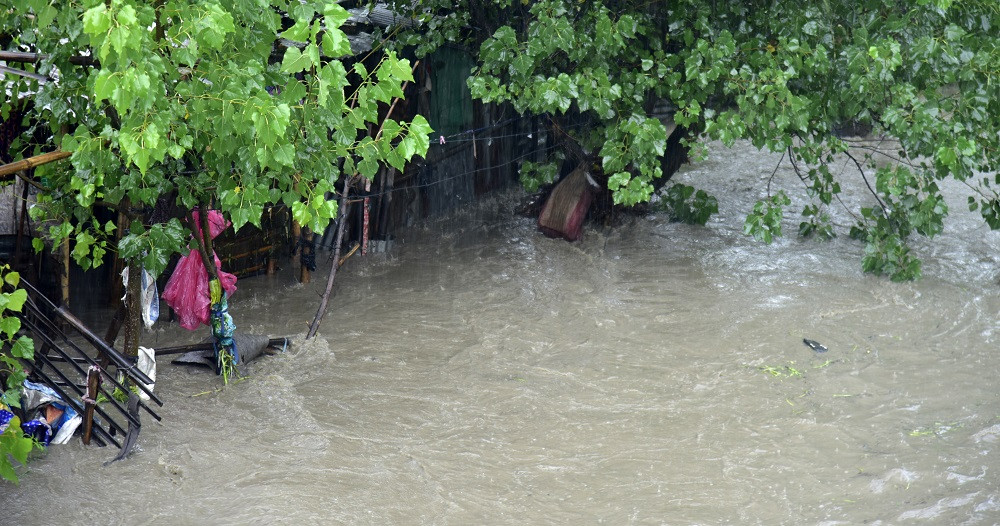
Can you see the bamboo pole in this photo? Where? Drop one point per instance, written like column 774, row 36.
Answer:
column 349, row 254
column 31, row 162
column 248, row 271
column 253, row 252
column 31, row 58
column 26, row 74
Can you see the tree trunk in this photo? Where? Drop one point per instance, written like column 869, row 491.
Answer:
column 116, row 267
column 93, row 383
column 205, row 249
column 133, row 310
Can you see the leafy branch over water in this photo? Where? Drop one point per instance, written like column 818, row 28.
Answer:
column 14, row 349
column 796, row 78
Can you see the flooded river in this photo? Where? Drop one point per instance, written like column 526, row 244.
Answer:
column 653, row 373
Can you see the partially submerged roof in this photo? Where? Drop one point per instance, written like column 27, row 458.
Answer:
column 379, row 14
column 375, row 15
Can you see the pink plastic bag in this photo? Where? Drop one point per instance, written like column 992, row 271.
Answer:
column 187, row 289
column 216, row 222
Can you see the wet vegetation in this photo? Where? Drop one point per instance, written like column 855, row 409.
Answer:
column 792, row 78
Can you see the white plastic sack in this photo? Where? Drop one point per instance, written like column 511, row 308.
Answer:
column 147, row 364
column 149, row 297
column 66, row 431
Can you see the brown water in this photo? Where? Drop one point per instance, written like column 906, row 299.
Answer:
column 653, row 373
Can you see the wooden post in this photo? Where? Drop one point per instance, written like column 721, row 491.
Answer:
column 536, row 149
column 115, row 326
column 296, row 234
column 365, row 216
column 306, row 254
column 383, row 220
column 93, row 380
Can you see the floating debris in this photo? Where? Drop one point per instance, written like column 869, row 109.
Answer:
column 814, row 345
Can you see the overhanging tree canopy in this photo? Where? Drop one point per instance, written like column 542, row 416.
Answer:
column 196, row 99
column 783, row 75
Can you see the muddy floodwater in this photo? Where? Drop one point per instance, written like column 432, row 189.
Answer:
column 652, row 373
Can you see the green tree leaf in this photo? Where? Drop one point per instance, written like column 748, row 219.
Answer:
column 15, row 300
column 10, row 326
column 23, row 348
column 295, row 61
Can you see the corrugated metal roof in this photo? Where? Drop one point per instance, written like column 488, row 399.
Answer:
column 361, row 42
column 379, row 15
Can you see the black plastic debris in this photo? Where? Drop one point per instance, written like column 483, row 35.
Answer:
column 814, row 345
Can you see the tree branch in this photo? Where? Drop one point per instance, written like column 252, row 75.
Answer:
column 321, row 311
column 204, row 239
column 776, row 171
column 870, row 189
